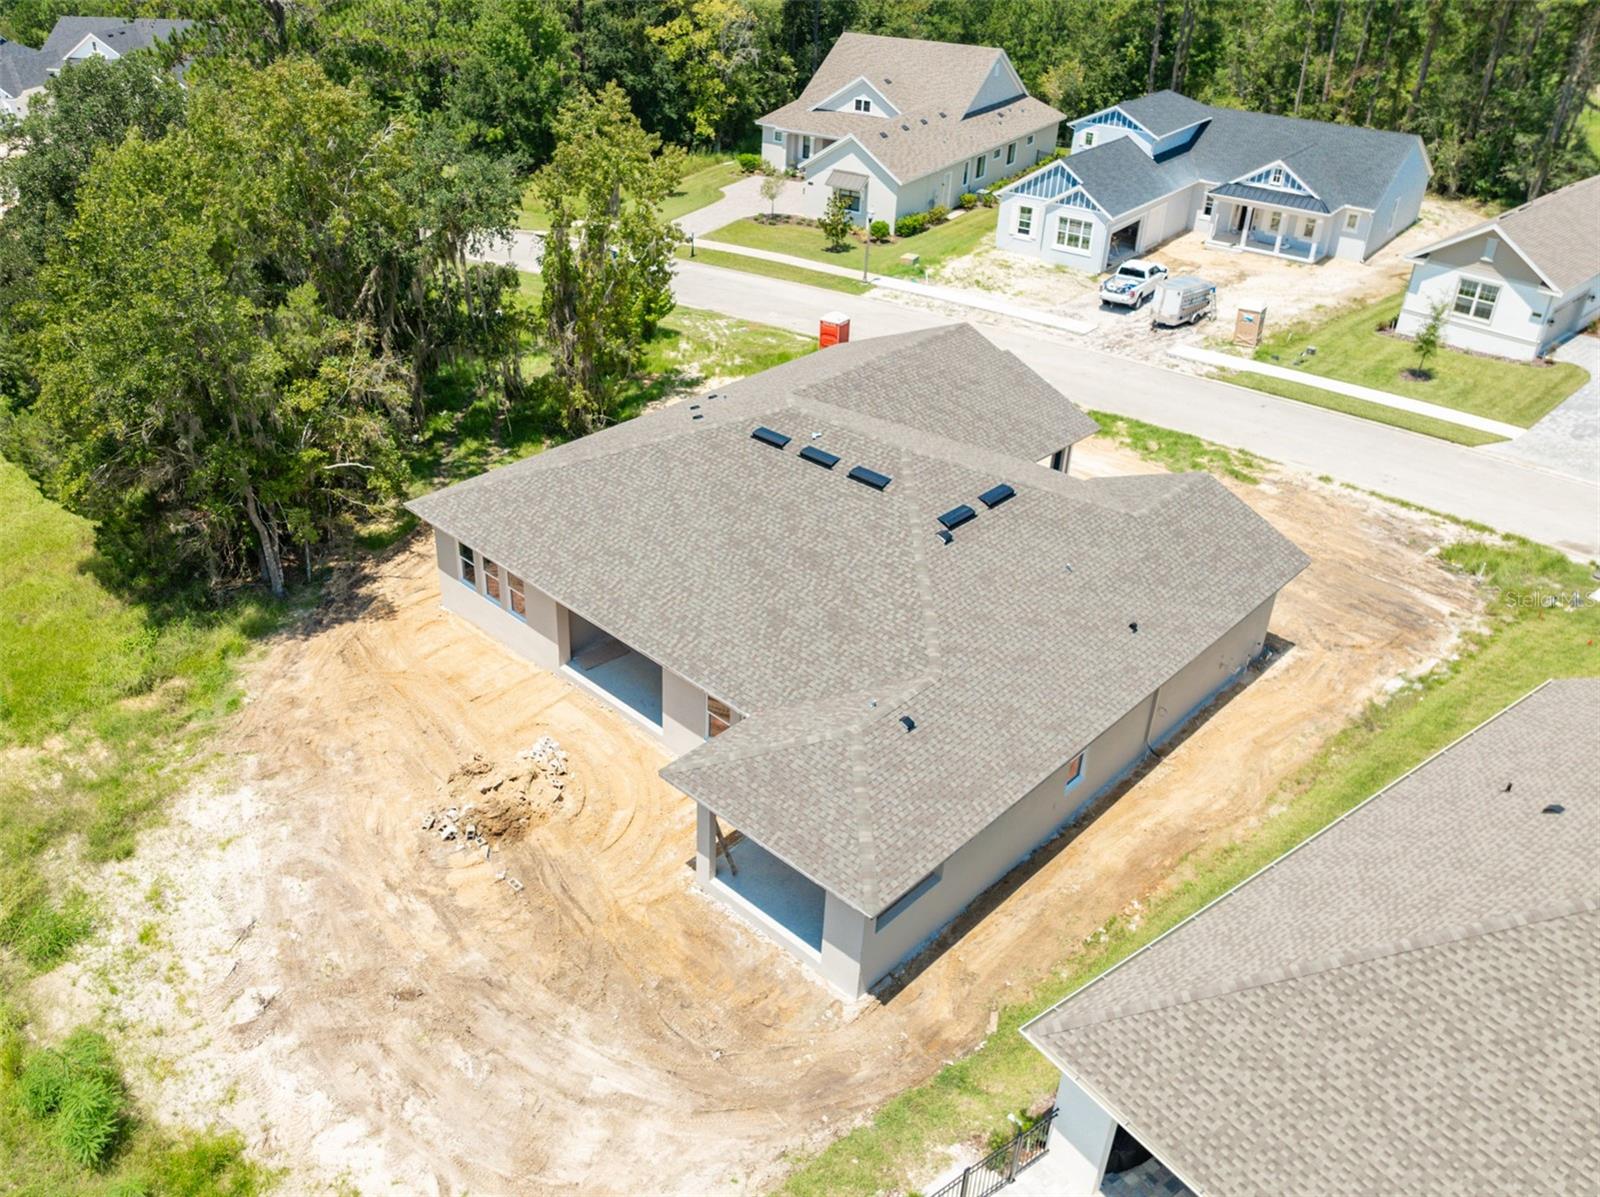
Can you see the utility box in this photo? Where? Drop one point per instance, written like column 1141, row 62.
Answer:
column 1249, row 324
column 835, row 330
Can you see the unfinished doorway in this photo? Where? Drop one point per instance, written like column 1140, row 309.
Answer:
column 626, row 676
column 784, row 901
column 1124, row 242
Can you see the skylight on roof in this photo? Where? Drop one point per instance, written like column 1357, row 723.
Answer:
column 819, row 457
column 997, row 495
column 957, row 516
column 768, row 437
column 870, row 478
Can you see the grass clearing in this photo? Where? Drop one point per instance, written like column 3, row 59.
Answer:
column 1527, row 642
column 778, row 270
column 1444, row 430
column 705, row 175
column 1350, row 348
column 1179, row 451
column 952, row 239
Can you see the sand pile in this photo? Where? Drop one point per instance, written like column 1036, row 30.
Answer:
column 491, row 802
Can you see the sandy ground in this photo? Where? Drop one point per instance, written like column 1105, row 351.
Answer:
column 294, row 957
column 1292, row 291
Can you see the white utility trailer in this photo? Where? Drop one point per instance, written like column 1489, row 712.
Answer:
column 1183, row 300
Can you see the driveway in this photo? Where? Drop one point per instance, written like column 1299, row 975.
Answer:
column 1568, row 439
column 740, row 199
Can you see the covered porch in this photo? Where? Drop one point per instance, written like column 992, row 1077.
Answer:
column 798, row 147
column 778, row 898
column 1259, row 220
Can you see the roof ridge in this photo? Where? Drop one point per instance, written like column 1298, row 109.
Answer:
column 1333, row 961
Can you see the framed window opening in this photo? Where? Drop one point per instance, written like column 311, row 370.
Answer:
column 1025, row 220
column 1475, row 299
column 1277, row 176
column 863, row 104
column 966, row 172
column 719, row 717
column 1352, row 221
column 1011, row 153
column 852, row 198
column 519, row 601
column 1072, row 233
column 1210, row 206
column 805, row 146
column 982, row 166
column 777, row 136
column 1074, row 771
column 491, row 581
column 1274, row 222
column 468, row 566
column 1088, row 138
column 1310, row 229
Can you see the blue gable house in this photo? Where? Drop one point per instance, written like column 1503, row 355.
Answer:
column 1148, row 169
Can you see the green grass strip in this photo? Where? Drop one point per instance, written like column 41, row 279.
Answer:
column 1444, row 430
column 779, row 270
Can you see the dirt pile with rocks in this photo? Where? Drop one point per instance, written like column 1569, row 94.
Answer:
column 490, row 802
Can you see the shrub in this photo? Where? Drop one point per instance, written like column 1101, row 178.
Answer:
column 987, row 199
column 749, row 163
column 76, row 1090
column 968, row 200
column 911, row 224
column 938, row 214
column 37, row 927
column 880, row 230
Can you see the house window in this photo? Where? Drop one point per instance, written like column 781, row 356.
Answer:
column 777, row 136
column 1073, row 234
column 852, row 199
column 1011, row 153
column 491, row 579
column 1352, row 221
column 981, row 166
column 1310, row 229
column 903, row 903
column 1087, row 138
column 1030, row 138
column 519, row 602
column 1211, row 203
column 1025, row 220
column 1277, row 176
column 1074, row 773
column 966, row 170
column 718, row 717
column 469, row 567
column 805, row 148
column 863, row 104
column 1274, row 222
column 1476, row 299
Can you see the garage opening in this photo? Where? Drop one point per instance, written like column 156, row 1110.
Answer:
column 1124, row 242
column 783, row 900
column 625, row 675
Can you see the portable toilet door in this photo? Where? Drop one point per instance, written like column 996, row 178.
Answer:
column 1249, row 324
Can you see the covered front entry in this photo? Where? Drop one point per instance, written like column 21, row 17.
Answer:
column 1281, row 231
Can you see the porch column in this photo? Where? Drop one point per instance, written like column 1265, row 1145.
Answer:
column 1080, row 1141
column 705, row 844
column 1244, row 227
column 1277, row 245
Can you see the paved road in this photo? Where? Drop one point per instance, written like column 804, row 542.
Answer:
column 1552, row 508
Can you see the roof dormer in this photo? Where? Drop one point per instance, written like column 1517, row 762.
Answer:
column 860, row 97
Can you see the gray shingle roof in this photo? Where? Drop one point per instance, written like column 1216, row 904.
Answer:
column 801, row 597
column 932, row 84
column 21, row 68
column 1342, row 164
column 1405, row 1003
column 123, row 36
column 1558, row 233
column 1165, row 111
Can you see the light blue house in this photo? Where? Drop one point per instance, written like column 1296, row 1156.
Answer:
column 1145, row 170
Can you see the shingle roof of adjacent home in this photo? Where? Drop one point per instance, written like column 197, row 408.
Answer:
column 1342, row 164
column 123, row 36
column 1406, row 1003
column 824, row 609
column 933, row 84
column 21, row 69
column 1558, row 234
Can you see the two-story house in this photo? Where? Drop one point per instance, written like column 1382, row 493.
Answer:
column 900, row 125
column 1145, row 170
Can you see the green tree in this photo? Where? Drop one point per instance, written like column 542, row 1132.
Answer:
column 607, row 265
column 510, row 83
column 711, row 42
column 836, row 221
column 1427, row 337
column 772, row 185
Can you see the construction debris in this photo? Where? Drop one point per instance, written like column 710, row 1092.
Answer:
column 500, row 802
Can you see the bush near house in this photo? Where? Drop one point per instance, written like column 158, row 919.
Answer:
column 911, row 224
column 880, row 230
column 969, row 199
column 750, row 163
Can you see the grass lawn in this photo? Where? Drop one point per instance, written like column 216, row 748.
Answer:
column 703, row 181
column 1305, row 393
column 1525, row 645
column 1349, row 348
column 949, row 240
column 782, row 270
column 1180, row 452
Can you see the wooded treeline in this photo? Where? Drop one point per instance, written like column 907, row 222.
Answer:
column 225, row 306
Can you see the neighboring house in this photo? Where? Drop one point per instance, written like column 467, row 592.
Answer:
column 901, row 125
column 1149, row 169
column 1517, row 285
column 24, row 71
column 888, row 650
column 1405, row 1003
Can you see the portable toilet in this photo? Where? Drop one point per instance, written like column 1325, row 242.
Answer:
column 835, row 330
column 1249, row 323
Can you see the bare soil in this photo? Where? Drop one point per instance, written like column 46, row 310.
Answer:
column 365, row 1001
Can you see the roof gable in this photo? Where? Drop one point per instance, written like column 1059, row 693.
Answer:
column 1556, row 235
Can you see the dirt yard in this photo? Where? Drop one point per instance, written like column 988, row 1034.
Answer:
column 1292, row 291
column 294, row 956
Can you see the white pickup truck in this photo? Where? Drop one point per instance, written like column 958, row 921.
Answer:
column 1133, row 283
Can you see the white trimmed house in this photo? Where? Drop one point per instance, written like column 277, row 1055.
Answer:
column 1146, row 170
column 25, row 71
column 902, row 125
column 1515, row 286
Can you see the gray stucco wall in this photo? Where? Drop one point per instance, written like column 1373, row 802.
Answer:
column 1401, row 202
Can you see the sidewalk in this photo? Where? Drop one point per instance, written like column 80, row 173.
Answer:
column 950, row 295
column 1450, row 415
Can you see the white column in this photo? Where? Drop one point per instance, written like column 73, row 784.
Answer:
column 1080, row 1141
column 705, row 844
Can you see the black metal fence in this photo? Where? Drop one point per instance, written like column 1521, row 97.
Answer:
column 999, row 1168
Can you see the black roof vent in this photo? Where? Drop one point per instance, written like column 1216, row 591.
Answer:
column 1134, row 627
column 924, row 120
column 768, row 437
column 870, row 478
column 957, row 516
column 945, row 537
column 883, row 135
column 1507, row 790
column 699, row 415
column 905, row 128
column 997, row 495
column 1555, row 808
column 819, row 457
column 909, row 723
column 694, row 407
